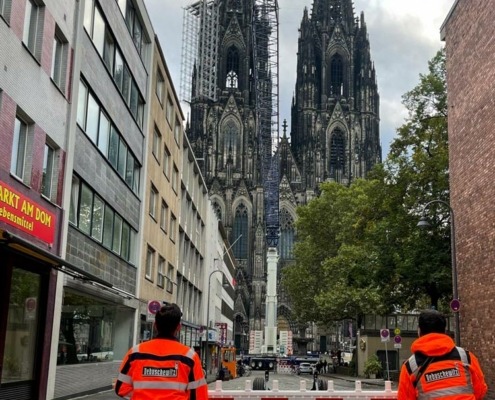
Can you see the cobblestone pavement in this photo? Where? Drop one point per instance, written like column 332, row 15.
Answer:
column 285, row 382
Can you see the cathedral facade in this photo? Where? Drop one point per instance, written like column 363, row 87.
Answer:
column 334, row 136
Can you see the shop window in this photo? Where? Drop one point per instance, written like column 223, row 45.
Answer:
column 19, row 353
column 88, row 329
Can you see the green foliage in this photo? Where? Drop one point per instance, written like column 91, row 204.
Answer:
column 359, row 249
column 372, row 365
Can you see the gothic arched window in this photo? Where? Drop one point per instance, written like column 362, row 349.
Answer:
column 240, row 247
column 337, row 75
column 232, row 67
column 231, row 141
column 287, row 234
column 337, row 155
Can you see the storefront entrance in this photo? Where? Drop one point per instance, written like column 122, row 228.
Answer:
column 25, row 325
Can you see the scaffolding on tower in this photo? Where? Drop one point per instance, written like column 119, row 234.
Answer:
column 199, row 50
column 265, row 25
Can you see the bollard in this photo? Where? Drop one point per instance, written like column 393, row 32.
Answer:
column 247, row 388
column 275, row 386
column 330, row 386
column 358, row 387
column 218, row 386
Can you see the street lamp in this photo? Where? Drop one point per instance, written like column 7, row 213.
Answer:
column 208, row 320
column 454, row 305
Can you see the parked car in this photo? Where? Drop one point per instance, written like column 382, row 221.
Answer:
column 305, row 368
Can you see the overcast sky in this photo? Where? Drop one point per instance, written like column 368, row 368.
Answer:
column 404, row 36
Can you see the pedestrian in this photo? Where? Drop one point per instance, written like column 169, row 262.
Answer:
column 162, row 368
column 438, row 369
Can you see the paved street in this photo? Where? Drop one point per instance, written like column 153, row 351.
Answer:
column 286, row 382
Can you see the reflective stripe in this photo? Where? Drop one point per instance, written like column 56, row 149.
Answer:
column 440, row 393
column 160, row 385
column 412, row 363
column 190, row 353
column 135, row 349
column 196, row 384
column 463, row 355
column 125, row 378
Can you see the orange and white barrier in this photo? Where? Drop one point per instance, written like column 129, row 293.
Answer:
column 302, row 394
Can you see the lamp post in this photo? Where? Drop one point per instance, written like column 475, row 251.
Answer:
column 208, row 320
column 454, row 305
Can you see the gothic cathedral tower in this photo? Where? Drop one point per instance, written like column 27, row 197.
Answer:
column 223, row 135
column 335, row 110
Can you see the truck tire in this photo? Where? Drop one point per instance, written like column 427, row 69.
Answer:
column 259, row 383
column 322, row 384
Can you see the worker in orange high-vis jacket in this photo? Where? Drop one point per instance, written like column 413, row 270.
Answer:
column 438, row 370
column 162, row 368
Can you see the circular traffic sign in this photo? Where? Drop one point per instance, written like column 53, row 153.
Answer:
column 154, row 306
column 397, row 331
column 398, row 339
column 455, row 305
column 384, row 333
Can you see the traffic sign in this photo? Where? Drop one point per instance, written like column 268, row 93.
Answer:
column 455, row 305
column 397, row 339
column 153, row 307
column 385, row 335
column 397, row 331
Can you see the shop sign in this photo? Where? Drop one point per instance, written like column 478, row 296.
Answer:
column 23, row 213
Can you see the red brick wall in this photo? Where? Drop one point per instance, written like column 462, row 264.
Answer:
column 470, row 45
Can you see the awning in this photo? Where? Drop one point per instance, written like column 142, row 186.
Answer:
column 19, row 244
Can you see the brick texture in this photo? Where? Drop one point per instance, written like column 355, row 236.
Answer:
column 470, row 44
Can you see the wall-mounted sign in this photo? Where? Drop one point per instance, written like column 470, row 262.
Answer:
column 23, row 213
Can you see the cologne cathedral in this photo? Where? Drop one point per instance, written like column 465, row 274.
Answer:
column 334, row 137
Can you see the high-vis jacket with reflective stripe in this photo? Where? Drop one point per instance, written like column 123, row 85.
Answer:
column 438, row 370
column 161, row 369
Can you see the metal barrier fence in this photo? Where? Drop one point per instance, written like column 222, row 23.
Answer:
column 302, row 394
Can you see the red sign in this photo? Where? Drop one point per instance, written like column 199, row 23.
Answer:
column 23, row 213
column 154, row 306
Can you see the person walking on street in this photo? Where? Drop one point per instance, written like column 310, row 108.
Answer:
column 162, row 368
column 438, row 369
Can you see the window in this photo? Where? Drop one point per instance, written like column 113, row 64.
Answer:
column 133, row 24
column 93, row 119
column 173, row 224
column 150, row 261
column 19, row 148
column 170, row 110
column 108, row 227
column 105, row 44
column 240, row 246
column 170, row 278
column 153, row 201
column 85, row 209
column 337, row 76
column 166, row 162
column 157, row 144
column 161, row 272
column 47, row 178
column 98, row 212
column 177, row 131
column 74, row 200
column 5, row 8
column 164, row 216
column 94, row 217
column 59, row 59
column 175, row 178
column 160, row 85
column 33, row 28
